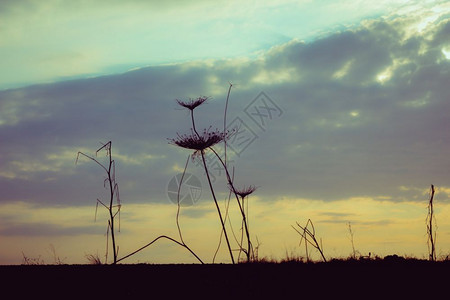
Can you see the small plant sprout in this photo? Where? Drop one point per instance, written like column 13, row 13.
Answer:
column 309, row 235
column 113, row 205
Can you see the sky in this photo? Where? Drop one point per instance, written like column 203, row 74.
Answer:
column 342, row 108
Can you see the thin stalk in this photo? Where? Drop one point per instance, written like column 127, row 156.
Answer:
column 211, row 188
column 431, row 235
column 231, row 226
column 178, row 200
column 110, row 208
column 113, row 188
column 249, row 245
column 217, row 205
column 193, row 123
column 351, row 239
column 182, row 243
column 312, row 235
column 230, row 182
column 225, row 122
column 242, row 241
column 224, row 163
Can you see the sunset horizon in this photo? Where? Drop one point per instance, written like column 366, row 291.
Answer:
column 332, row 111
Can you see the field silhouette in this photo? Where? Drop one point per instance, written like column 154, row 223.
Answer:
column 378, row 278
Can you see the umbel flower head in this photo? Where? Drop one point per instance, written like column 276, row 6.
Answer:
column 244, row 192
column 199, row 142
column 192, row 103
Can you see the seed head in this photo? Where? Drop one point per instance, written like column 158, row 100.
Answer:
column 192, row 103
column 199, row 142
column 244, row 192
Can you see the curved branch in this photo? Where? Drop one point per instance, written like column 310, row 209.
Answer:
column 160, row 237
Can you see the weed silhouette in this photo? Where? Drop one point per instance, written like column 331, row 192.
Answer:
column 113, row 206
column 203, row 142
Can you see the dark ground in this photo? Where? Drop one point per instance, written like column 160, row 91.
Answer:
column 393, row 278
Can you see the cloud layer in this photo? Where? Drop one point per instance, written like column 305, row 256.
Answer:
column 360, row 112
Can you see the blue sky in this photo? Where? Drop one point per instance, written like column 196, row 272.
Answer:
column 48, row 41
column 359, row 130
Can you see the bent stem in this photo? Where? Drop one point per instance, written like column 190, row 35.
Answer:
column 160, row 237
column 182, row 243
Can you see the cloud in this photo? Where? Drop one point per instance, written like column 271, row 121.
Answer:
column 363, row 112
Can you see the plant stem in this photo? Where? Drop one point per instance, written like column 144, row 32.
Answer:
column 225, row 123
column 193, row 123
column 230, row 182
column 113, row 188
column 182, row 243
column 111, row 202
column 212, row 189
column 430, row 227
column 224, row 163
column 217, row 206
column 178, row 200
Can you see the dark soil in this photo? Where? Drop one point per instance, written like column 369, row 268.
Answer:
column 389, row 278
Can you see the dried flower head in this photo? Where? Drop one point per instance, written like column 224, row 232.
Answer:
column 192, row 103
column 244, row 192
column 199, row 142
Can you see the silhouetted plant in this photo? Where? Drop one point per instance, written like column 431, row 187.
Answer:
column 431, row 234
column 30, row 261
column 93, row 259
column 200, row 143
column 350, row 231
column 235, row 192
column 309, row 236
column 113, row 205
column 56, row 259
column 230, row 180
column 114, row 209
